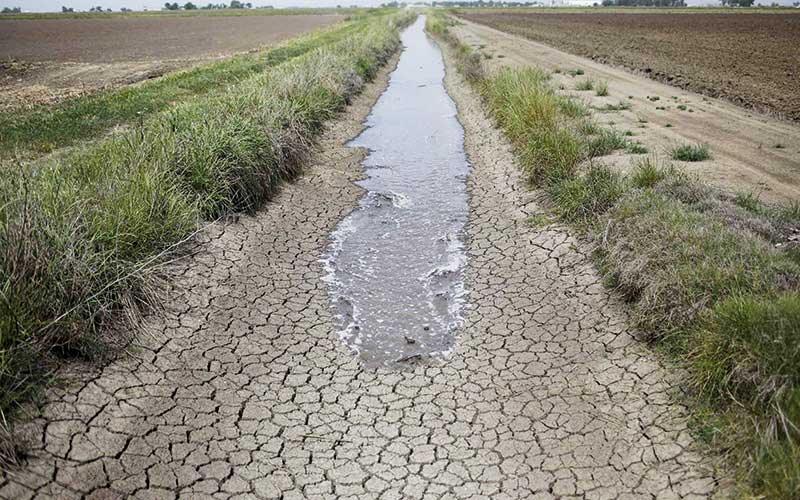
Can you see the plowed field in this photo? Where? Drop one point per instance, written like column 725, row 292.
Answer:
column 748, row 58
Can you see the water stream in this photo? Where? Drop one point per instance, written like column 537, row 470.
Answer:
column 394, row 265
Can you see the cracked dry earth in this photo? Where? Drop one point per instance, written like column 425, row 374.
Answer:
column 241, row 388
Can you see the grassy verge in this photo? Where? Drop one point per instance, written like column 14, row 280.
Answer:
column 80, row 233
column 45, row 128
column 711, row 279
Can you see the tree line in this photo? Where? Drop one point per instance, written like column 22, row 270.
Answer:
column 644, row 3
column 235, row 4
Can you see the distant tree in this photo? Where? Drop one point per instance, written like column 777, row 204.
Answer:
column 189, row 6
column 67, row 9
column 171, row 6
column 644, row 3
column 125, row 9
column 11, row 10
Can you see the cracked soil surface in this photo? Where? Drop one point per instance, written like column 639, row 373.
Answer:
column 241, row 388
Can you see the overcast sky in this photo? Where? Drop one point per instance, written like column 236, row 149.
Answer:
column 55, row 5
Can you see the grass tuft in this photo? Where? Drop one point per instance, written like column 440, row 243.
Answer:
column 605, row 142
column 585, row 84
column 648, row 173
column 583, row 198
column 691, row 152
column 573, row 108
column 611, row 108
column 601, row 88
column 636, row 148
column 519, row 98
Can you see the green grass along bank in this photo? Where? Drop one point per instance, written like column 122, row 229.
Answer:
column 45, row 128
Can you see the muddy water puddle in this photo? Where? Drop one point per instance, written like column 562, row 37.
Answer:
column 394, row 265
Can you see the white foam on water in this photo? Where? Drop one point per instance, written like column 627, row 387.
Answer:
column 394, row 266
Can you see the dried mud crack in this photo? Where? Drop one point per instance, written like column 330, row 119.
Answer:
column 243, row 390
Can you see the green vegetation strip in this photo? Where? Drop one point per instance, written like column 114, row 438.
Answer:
column 712, row 279
column 46, row 128
column 80, row 233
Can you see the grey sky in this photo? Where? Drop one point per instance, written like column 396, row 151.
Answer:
column 55, row 5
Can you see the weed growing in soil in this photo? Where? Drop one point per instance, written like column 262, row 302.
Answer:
column 691, row 152
column 610, row 108
column 601, row 88
column 538, row 221
column 573, row 108
column 636, row 148
column 605, row 142
column 586, row 84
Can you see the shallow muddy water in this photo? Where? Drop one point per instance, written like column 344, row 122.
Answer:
column 394, row 265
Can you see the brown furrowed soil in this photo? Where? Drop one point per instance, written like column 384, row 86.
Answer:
column 750, row 59
column 146, row 39
column 751, row 152
column 43, row 61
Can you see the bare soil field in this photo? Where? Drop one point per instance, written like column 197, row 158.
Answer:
column 47, row 60
column 751, row 152
column 146, row 39
column 750, row 59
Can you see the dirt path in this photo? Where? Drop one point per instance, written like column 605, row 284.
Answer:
column 743, row 143
column 243, row 390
